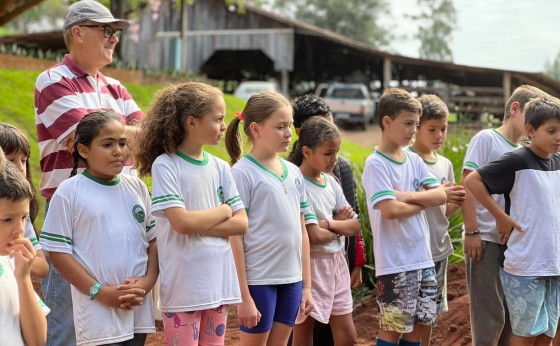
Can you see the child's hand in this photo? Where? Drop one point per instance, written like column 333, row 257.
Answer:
column 344, row 213
column 125, row 299
column 505, row 225
column 247, row 314
column 455, row 193
column 472, row 247
column 307, row 304
column 356, row 278
column 23, row 253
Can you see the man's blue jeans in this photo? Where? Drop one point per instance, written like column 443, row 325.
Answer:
column 58, row 297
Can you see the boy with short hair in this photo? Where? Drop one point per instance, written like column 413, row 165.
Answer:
column 482, row 246
column 529, row 179
column 305, row 107
column 393, row 180
column 430, row 136
column 22, row 314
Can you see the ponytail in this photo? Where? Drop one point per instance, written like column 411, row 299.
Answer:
column 233, row 140
column 76, row 158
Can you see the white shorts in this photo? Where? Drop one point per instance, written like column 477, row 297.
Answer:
column 330, row 287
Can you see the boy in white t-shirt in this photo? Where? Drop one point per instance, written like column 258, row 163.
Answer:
column 393, row 181
column 431, row 135
column 529, row 179
column 483, row 250
column 22, row 314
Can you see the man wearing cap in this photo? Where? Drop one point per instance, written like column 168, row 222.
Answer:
column 64, row 94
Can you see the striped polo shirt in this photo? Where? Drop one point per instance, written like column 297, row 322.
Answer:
column 64, row 94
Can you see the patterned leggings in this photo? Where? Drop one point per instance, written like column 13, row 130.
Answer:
column 193, row 328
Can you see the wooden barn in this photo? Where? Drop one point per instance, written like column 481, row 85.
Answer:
column 215, row 39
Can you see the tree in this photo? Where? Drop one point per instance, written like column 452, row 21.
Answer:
column 552, row 68
column 436, row 24
column 356, row 19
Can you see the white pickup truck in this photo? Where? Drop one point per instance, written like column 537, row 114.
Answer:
column 351, row 103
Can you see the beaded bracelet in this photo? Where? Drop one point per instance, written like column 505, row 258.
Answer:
column 472, row 233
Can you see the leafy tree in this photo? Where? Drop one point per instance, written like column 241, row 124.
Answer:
column 552, row 68
column 436, row 24
column 356, row 19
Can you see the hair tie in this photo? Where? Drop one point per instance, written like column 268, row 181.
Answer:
column 239, row 115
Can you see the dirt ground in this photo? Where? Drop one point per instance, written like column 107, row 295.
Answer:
column 452, row 329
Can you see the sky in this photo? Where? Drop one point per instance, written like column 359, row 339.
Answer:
column 518, row 35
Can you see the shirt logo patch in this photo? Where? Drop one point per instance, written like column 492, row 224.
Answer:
column 138, row 213
column 298, row 185
column 443, row 180
column 416, row 184
column 220, row 194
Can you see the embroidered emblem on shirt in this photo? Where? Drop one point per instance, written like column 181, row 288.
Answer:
column 416, row 184
column 220, row 194
column 298, row 184
column 138, row 213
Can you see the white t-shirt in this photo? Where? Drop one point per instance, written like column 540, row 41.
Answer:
column 10, row 327
column 106, row 225
column 485, row 147
column 325, row 200
column 438, row 223
column 404, row 244
column 273, row 242
column 197, row 272
column 29, row 233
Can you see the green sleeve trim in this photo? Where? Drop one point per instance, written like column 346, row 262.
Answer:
column 382, row 194
column 166, row 198
column 470, row 164
column 57, row 238
column 233, row 200
column 310, row 217
column 430, row 182
column 151, row 225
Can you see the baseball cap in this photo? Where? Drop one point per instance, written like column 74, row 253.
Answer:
column 84, row 10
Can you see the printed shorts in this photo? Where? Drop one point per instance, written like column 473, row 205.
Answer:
column 533, row 302
column 191, row 328
column 407, row 298
column 441, row 278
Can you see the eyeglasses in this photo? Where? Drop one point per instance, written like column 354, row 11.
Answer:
column 107, row 30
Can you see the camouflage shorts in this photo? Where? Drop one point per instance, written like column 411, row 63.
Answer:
column 407, row 298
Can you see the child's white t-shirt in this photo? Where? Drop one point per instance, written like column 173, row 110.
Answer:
column 197, row 272
column 106, row 225
column 487, row 146
column 10, row 326
column 325, row 200
column 438, row 223
column 273, row 242
column 29, row 233
column 403, row 244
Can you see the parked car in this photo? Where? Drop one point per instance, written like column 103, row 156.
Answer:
column 245, row 89
column 351, row 103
